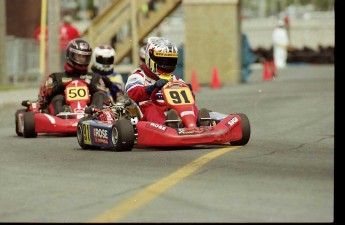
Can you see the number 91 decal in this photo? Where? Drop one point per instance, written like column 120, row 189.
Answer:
column 179, row 97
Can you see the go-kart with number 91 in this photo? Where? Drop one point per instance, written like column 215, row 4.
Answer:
column 122, row 131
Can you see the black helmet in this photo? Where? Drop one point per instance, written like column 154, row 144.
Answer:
column 78, row 54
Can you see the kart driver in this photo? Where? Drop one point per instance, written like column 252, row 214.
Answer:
column 103, row 64
column 78, row 56
column 160, row 60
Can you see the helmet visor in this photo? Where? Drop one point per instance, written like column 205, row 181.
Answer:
column 105, row 60
column 166, row 62
column 166, row 69
column 80, row 57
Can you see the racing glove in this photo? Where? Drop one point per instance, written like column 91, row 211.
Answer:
column 159, row 84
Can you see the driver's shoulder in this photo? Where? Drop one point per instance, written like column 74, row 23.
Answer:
column 57, row 74
column 176, row 78
column 94, row 76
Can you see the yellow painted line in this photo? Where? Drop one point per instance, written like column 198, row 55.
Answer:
column 152, row 191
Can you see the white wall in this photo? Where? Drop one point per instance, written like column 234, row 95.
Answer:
column 303, row 32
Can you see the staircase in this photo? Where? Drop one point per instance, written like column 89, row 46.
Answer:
column 106, row 25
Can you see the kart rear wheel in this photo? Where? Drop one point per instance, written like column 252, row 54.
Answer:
column 19, row 121
column 122, row 135
column 245, row 130
column 80, row 134
column 29, row 125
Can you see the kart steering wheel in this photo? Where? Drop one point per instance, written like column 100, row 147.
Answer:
column 154, row 98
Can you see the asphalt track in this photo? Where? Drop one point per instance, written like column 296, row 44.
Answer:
column 284, row 174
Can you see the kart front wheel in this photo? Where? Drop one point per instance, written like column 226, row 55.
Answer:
column 29, row 125
column 19, row 121
column 81, row 131
column 245, row 131
column 122, row 135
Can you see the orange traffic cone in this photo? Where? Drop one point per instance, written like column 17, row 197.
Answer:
column 194, row 81
column 215, row 79
column 266, row 74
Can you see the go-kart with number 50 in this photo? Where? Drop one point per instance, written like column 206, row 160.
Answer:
column 182, row 127
column 37, row 119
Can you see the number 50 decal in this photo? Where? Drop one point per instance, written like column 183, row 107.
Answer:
column 179, row 96
column 77, row 93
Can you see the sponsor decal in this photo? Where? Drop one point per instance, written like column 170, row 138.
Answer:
column 86, row 133
column 66, row 79
column 157, row 127
column 103, row 122
column 233, row 121
column 184, row 113
column 100, row 135
column 197, row 130
column 166, row 54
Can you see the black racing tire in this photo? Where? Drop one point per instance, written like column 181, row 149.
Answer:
column 80, row 134
column 19, row 122
column 245, row 131
column 29, row 125
column 172, row 115
column 122, row 136
column 204, row 113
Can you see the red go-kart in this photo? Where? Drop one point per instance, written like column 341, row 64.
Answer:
column 38, row 119
column 186, row 129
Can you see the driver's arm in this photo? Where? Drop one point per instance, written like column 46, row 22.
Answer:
column 96, row 84
column 53, row 86
column 136, row 89
column 158, row 84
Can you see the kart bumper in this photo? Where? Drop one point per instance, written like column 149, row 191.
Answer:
column 152, row 134
column 45, row 123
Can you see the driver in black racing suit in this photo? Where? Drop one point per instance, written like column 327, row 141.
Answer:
column 78, row 56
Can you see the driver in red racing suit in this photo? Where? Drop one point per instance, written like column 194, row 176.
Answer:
column 78, row 56
column 160, row 59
